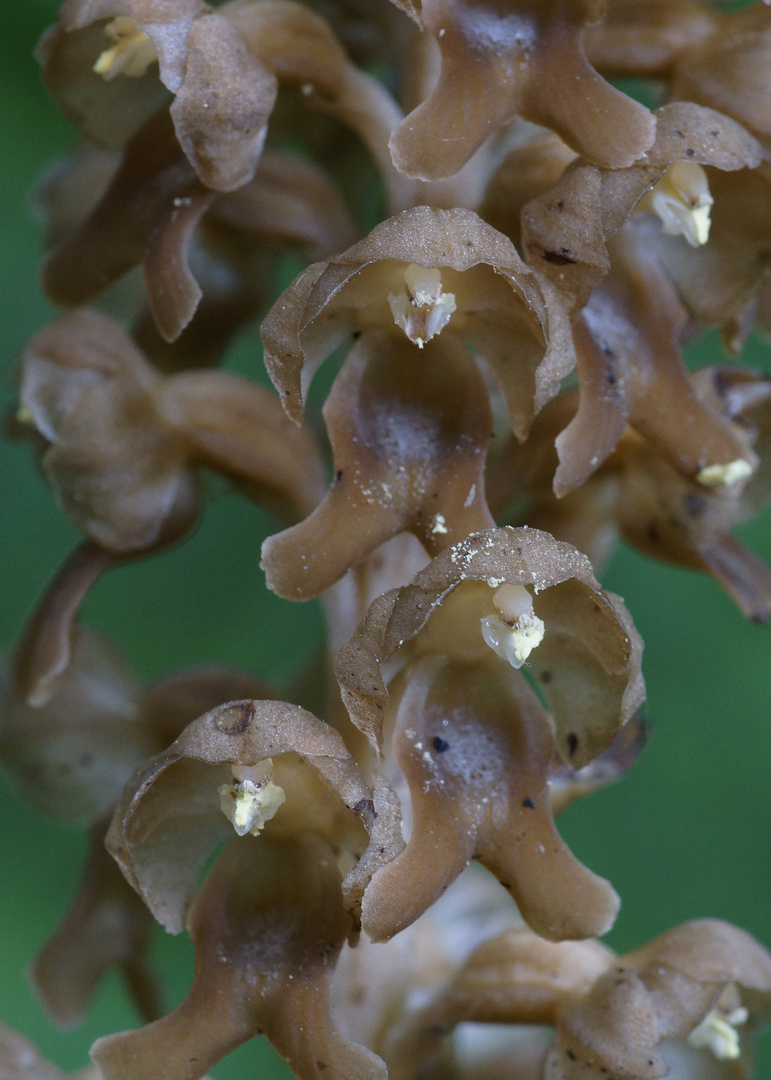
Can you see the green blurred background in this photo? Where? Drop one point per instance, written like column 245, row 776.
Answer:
column 687, row 834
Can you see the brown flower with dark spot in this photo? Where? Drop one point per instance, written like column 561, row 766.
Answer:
column 466, row 737
column 277, row 905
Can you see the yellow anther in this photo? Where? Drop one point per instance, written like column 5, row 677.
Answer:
column 251, row 799
column 514, row 630
column 682, row 202
column 724, row 475
column 717, row 1032
column 24, row 416
column 132, row 54
column 421, row 308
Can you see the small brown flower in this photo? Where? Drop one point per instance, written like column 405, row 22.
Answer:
column 640, row 494
column 126, row 443
column 74, row 725
column 408, row 416
column 278, row 906
column 99, row 64
column 502, row 59
column 565, row 229
column 467, row 735
column 687, row 1004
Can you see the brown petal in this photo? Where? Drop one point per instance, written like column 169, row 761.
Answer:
column 709, row 951
column 289, row 201
column 107, row 925
column 166, row 22
column 614, row 1030
column 408, row 438
column 173, row 293
column 517, row 977
column 45, row 650
column 240, row 430
column 745, row 577
column 118, row 474
column 566, row 784
column 594, row 650
column 599, row 422
column 70, row 190
column 221, row 110
column 272, row 910
column 108, row 112
column 169, row 820
column 525, row 173
column 475, row 747
column 154, row 188
column 72, row 754
column 502, row 62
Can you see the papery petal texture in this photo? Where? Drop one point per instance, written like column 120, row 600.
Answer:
column 593, row 644
column 504, row 310
column 500, row 60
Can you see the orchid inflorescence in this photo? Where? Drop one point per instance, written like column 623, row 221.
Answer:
column 368, row 863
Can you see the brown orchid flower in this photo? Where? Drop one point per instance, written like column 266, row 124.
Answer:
column 126, row 444
column 74, row 725
column 278, row 906
column 408, row 415
column 99, row 62
column 466, row 738
column 687, row 1004
column 639, row 494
